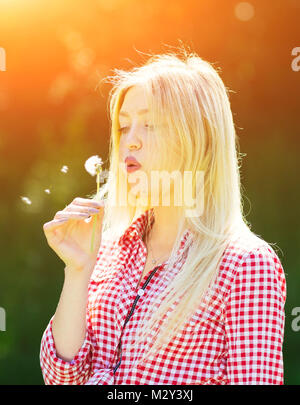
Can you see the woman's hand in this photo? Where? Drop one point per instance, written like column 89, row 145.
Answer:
column 69, row 235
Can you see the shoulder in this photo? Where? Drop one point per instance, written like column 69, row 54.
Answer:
column 250, row 262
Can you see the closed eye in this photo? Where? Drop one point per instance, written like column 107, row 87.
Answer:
column 123, row 129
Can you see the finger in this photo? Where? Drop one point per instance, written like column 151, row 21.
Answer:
column 49, row 226
column 72, row 215
column 88, row 202
column 84, row 209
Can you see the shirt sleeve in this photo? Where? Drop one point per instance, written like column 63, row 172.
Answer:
column 254, row 320
column 57, row 371
column 79, row 371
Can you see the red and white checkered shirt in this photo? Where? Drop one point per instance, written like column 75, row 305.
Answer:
column 238, row 342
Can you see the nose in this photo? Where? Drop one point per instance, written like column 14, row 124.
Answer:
column 133, row 146
column 133, row 142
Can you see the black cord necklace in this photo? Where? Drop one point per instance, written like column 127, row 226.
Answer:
column 139, row 294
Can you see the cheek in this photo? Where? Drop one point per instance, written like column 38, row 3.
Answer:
column 122, row 151
column 121, row 143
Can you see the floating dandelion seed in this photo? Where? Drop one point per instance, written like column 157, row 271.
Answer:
column 26, row 200
column 47, row 191
column 64, row 169
column 93, row 166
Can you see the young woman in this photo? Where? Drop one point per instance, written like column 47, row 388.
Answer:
column 174, row 293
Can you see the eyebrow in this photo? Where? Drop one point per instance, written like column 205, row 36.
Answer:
column 140, row 112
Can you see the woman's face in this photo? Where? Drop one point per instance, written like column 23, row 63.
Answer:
column 136, row 129
column 137, row 138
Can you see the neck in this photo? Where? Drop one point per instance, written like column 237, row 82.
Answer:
column 164, row 230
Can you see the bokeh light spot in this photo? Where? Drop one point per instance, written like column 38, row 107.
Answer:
column 244, row 11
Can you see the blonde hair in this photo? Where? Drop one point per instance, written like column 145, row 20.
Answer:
column 187, row 93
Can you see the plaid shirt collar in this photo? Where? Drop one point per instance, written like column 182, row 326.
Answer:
column 138, row 227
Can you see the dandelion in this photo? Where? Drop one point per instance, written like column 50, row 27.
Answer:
column 93, row 166
column 64, row 169
column 47, row 191
column 26, row 200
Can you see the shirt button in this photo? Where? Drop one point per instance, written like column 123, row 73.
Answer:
column 140, row 292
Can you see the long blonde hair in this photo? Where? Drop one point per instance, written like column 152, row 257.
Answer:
column 188, row 94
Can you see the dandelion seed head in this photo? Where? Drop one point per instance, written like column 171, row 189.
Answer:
column 93, row 165
column 64, row 169
column 47, row 191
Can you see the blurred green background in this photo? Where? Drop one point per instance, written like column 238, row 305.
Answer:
column 53, row 113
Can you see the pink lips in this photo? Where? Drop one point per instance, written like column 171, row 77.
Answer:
column 132, row 164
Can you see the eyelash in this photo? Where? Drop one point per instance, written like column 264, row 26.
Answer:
column 122, row 129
